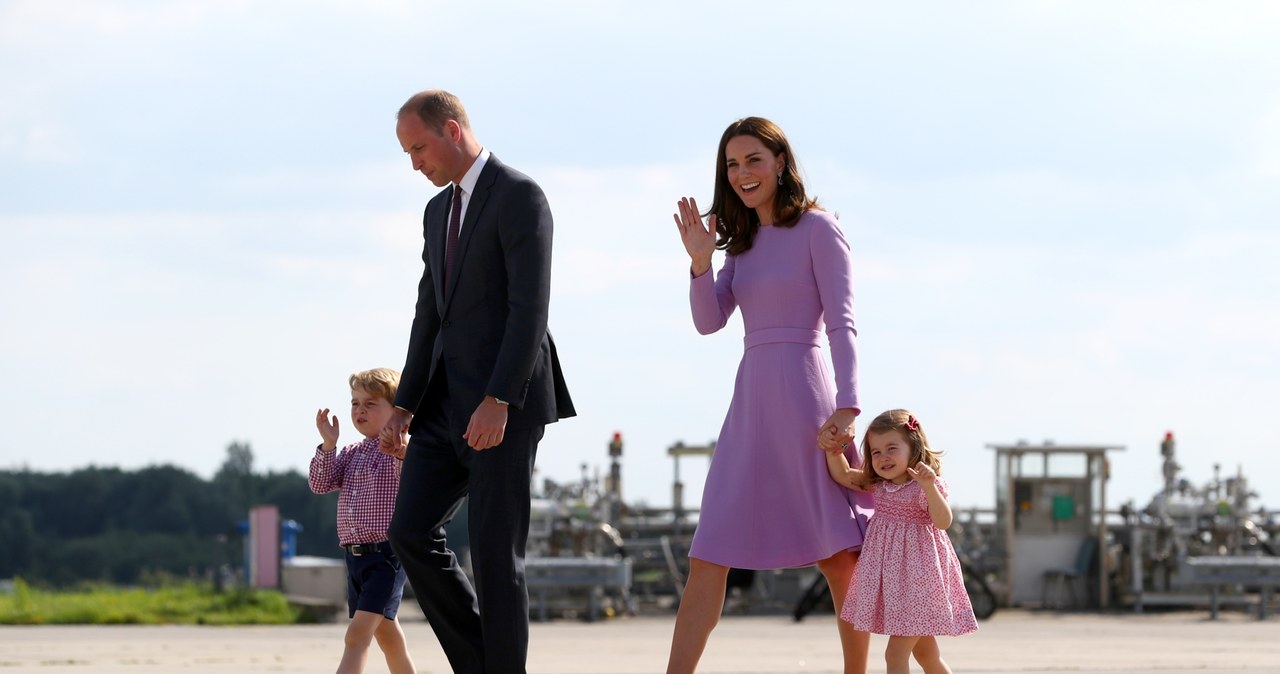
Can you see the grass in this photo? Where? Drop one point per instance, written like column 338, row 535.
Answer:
column 187, row 603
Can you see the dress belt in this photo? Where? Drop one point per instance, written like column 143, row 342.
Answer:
column 775, row 335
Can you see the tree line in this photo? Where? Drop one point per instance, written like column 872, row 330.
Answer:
column 134, row 526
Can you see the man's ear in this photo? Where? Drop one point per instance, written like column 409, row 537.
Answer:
column 453, row 130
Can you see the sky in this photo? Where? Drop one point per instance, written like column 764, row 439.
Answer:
column 1063, row 217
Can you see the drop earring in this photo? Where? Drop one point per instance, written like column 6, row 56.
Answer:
column 779, row 177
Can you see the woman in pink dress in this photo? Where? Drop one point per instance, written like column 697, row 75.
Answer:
column 908, row 585
column 768, row 502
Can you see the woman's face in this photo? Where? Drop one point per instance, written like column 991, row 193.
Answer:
column 752, row 170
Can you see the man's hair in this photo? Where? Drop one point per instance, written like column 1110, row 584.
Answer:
column 381, row 382
column 435, row 107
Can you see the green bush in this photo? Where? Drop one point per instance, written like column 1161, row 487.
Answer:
column 186, row 603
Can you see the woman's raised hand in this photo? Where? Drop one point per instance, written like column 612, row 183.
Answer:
column 699, row 239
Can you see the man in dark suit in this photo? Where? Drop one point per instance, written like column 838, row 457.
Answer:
column 480, row 382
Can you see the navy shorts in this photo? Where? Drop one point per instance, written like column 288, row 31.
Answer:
column 375, row 581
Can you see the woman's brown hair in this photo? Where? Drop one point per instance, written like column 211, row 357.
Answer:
column 736, row 225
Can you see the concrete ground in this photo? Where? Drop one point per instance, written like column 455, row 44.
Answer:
column 1011, row 641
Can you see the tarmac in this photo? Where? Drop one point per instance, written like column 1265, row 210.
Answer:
column 1011, row 641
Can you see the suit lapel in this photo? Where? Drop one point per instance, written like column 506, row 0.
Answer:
column 437, row 225
column 475, row 206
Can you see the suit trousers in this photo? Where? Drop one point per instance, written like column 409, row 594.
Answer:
column 483, row 629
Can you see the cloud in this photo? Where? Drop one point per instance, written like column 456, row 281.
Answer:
column 614, row 232
column 1062, row 218
column 1268, row 143
column 31, row 23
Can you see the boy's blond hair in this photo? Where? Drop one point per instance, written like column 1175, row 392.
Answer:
column 380, row 381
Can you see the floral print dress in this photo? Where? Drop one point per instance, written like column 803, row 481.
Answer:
column 908, row 580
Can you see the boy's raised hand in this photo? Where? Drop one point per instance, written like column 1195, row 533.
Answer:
column 328, row 428
column 922, row 473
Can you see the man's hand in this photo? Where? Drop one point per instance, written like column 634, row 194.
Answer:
column 328, row 430
column 394, row 437
column 488, row 425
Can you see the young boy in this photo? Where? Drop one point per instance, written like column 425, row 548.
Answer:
column 367, row 480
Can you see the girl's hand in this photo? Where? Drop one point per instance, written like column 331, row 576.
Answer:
column 699, row 240
column 328, row 429
column 922, row 474
column 939, row 509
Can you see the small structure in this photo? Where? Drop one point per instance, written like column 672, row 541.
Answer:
column 1247, row 571
column 677, row 487
column 263, row 550
column 553, row 581
column 318, row 585
column 613, row 484
column 575, row 558
column 1191, row 538
column 1050, row 506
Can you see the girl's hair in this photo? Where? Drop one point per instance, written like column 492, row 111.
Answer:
column 736, row 225
column 380, row 382
column 909, row 426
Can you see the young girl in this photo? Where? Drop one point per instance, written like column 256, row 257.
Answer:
column 908, row 583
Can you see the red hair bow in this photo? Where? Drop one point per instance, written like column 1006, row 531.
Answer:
column 913, row 424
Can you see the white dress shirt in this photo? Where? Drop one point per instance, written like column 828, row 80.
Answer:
column 468, row 184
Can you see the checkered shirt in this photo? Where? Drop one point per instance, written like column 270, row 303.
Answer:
column 367, row 481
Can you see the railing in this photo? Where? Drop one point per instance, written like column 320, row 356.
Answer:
column 562, row 577
column 1247, row 571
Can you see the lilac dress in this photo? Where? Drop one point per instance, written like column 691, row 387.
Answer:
column 769, row 501
column 908, row 581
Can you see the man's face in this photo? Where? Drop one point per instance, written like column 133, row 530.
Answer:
column 435, row 155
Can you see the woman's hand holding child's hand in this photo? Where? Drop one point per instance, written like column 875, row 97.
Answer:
column 836, row 435
column 827, row 440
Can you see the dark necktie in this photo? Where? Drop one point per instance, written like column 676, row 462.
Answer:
column 451, row 243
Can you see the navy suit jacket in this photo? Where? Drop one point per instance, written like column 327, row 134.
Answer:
column 488, row 333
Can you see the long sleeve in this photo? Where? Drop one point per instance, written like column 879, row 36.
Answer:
column 425, row 328
column 833, row 272
column 711, row 298
column 525, row 234
column 327, row 469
